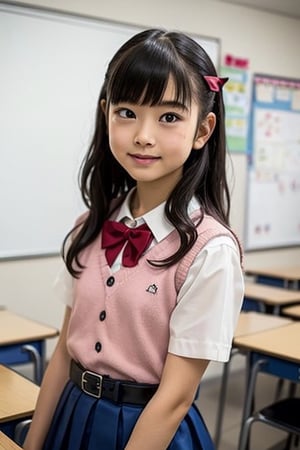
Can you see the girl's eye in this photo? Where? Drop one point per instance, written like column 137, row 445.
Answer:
column 169, row 118
column 126, row 113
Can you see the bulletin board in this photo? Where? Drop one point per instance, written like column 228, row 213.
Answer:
column 273, row 203
column 52, row 68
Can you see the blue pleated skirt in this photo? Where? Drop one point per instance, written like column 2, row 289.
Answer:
column 82, row 422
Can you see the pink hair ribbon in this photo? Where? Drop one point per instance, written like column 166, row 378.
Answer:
column 215, row 84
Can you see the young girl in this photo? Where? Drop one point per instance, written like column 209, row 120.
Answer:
column 156, row 283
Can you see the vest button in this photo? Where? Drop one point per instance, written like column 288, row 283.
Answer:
column 110, row 281
column 102, row 315
column 98, row 347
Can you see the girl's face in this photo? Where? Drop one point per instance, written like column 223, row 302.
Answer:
column 152, row 143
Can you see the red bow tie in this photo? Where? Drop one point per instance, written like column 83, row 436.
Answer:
column 116, row 234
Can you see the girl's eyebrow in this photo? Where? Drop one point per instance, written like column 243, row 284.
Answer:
column 164, row 103
column 173, row 104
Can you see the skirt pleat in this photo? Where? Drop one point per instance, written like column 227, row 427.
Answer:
column 81, row 417
column 62, row 416
column 82, row 422
column 128, row 418
column 105, row 422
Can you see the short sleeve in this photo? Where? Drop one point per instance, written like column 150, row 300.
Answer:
column 63, row 286
column 63, row 283
column 203, row 323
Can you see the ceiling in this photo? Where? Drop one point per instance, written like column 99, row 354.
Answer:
column 289, row 8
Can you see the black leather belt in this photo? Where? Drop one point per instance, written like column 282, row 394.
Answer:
column 117, row 391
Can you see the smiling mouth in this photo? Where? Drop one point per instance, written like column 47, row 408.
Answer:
column 144, row 158
column 138, row 156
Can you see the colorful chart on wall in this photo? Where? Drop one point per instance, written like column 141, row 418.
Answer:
column 236, row 93
column 273, row 203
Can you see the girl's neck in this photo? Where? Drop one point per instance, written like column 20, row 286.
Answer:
column 144, row 200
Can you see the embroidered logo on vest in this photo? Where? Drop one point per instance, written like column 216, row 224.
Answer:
column 152, row 289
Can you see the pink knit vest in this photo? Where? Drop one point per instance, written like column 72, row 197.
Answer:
column 120, row 321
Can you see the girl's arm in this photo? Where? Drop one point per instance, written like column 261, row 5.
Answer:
column 54, row 380
column 161, row 417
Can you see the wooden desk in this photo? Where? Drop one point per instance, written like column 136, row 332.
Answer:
column 249, row 323
column 292, row 311
column 7, row 444
column 23, row 340
column 18, row 397
column 275, row 297
column 252, row 322
column 289, row 276
column 276, row 352
column 280, row 342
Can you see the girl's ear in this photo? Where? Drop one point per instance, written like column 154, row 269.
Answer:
column 103, row 106
column 205, row 130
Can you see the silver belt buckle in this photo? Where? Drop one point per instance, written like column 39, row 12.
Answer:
column 95, row 379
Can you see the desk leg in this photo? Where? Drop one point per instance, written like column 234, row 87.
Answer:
column 222, row 399
column 37, row 360
column 252, row 371
column 21, row 430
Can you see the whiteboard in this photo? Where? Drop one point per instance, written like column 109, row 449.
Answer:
column 52, row 69
column 273, row 207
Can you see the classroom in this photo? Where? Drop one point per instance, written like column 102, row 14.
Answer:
column 268, row 40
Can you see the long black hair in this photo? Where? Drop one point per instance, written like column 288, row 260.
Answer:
column 139, row 73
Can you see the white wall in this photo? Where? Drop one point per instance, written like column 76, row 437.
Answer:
column 269, row 41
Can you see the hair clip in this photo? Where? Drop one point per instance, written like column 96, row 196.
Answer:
column 215, row 84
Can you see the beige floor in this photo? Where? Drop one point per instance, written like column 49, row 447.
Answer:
column 262, row 437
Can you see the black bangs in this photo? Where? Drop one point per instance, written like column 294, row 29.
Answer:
column 141, row 76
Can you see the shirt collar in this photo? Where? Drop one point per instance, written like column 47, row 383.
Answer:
column 155, row 219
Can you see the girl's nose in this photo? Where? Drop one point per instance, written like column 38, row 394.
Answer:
column 144, row 136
